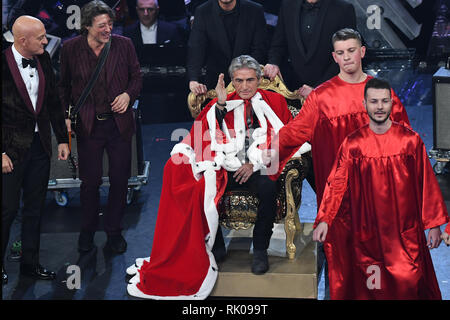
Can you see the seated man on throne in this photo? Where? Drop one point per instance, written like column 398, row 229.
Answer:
column 226, row 146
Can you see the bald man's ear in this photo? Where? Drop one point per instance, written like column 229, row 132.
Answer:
column 21, row 41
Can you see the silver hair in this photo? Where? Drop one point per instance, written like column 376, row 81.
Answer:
column 244, row 61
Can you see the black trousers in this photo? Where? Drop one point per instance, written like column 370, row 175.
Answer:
column 31, row 177
column 105, row 136
column 265, row 189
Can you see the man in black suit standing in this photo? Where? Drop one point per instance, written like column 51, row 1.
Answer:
column 29, row 107
column 223, row 30
column 151, row 30
column 303, row 33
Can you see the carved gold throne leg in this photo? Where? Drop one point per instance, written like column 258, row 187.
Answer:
column 298, row 226
column 291, row 222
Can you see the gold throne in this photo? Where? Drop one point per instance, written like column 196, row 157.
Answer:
column 237, row 208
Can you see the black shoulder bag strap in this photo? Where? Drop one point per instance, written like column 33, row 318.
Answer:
column 74, row 111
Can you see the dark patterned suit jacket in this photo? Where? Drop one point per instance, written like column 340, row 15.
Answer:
column 123, row 74
column 18, row 116
column 208, row 43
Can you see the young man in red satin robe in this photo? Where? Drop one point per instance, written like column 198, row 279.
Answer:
column 331, row 112
column 182, row 264
column 393, row 196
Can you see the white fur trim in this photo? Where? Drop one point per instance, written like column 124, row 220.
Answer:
column 303, row 149
column 133, row 269
column 203, row 292
column 135, row 279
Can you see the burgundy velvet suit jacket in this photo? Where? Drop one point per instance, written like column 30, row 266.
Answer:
column 18, row 115
column 122, row 75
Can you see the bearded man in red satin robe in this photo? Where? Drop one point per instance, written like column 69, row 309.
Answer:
column 393, row 197
column 225, row 143
column 331, row 112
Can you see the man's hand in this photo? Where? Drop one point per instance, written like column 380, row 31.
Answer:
column 69, row 125
column 63, row 151
column 320, row 232
column 268, row 155
column 434, row 238
column 221, row 91
column 120, row 103
column 446, row 237
column 271, row 71
column 304, row 91
column 197, row 88
column 7, row 165
column 243, row 173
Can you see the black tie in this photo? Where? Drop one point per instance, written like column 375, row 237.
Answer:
column 28, row 62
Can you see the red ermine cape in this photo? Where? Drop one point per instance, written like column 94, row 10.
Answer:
column 181, row 265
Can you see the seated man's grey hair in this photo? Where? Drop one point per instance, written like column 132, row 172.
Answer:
column 242, row 62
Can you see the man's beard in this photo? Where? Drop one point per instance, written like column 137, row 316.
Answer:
column 379, row 121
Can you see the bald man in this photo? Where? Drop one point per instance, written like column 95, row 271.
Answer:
column 30, row 109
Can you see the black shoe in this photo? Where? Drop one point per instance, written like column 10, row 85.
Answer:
column 37, row 272
column 116, row 244
column 260, row 263
column 86, row 241
column 4, row 277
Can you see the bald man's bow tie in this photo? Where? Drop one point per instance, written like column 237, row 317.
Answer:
column 29, row 62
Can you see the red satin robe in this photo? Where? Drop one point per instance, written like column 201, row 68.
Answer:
column 330, row 113
column 393, row 197
column 180, row 266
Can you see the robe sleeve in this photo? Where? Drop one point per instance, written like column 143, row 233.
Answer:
column 298, row 131
column 434, row 211
column 336, row 187
column 285, row 115
column 398, row 113
column 447, row 229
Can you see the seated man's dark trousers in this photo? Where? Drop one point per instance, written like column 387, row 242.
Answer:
column 31, row 176
column 265, row 189
column 105, row 135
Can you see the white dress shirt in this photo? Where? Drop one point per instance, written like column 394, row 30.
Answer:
column 30, row 77
column 149, row 34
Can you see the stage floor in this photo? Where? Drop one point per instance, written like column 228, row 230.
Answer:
column 296, row 278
